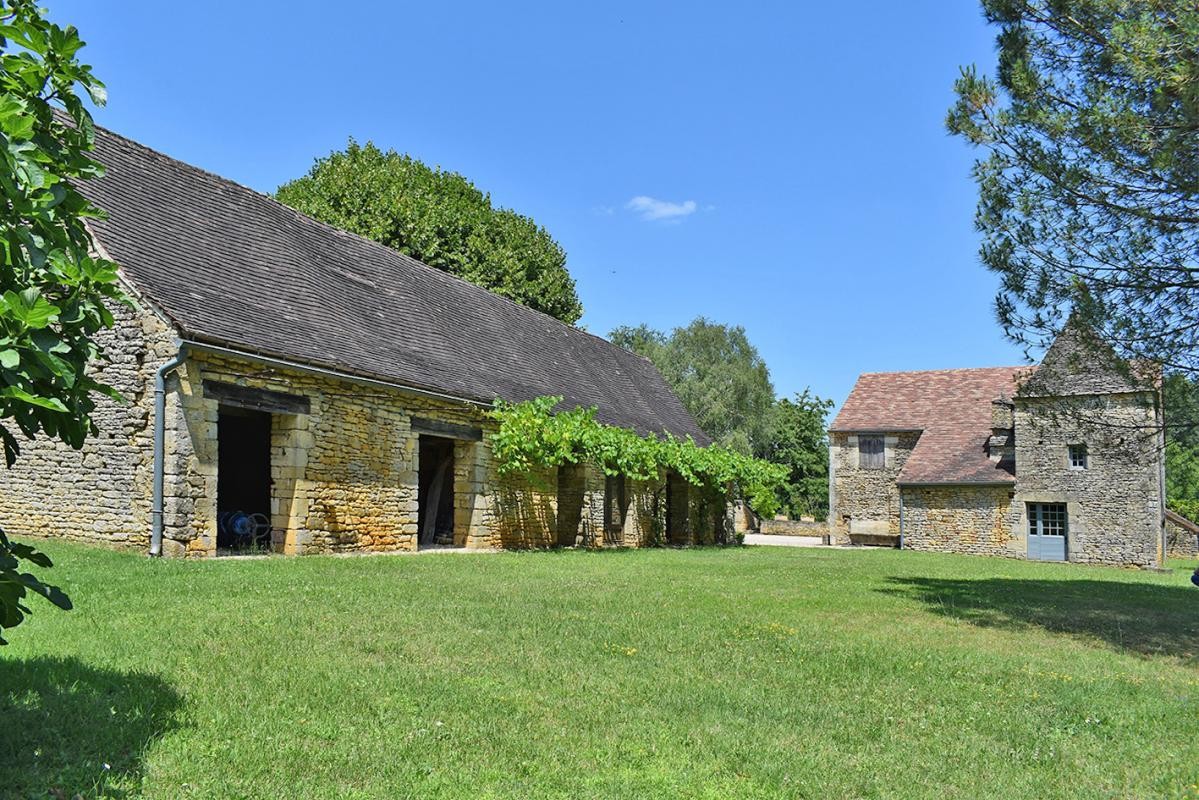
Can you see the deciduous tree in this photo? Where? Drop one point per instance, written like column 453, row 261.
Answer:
column 1182, row 444
column 725, row 385
column 796, row 438
column 440, row 218
column 716, row 372
column 52, row 290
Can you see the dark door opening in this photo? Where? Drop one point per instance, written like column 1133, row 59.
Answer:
column 435, row 492
column 243, row 493
column 677, row 510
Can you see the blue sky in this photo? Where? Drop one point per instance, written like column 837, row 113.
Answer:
column 782, row 166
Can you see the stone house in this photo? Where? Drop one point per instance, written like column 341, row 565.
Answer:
column 295, row 388
column 1061, row 461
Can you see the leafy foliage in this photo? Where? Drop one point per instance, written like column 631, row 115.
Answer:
column 716, row 372
column 1181, row 399
column 52, row 290
column 1089, row 196
column 725, row 384
column 796, row 439
column 531, row 435
column 15, row 585
column 440, row 218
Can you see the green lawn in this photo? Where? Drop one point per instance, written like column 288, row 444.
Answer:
column 759, row 672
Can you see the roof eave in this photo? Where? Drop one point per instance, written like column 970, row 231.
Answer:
column 877, row 429
column 1012, row 482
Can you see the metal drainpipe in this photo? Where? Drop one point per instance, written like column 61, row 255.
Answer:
column 160, row 413
column 900, row 517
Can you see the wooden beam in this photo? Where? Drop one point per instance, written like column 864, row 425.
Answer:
column 449, row 430
column 230, row 394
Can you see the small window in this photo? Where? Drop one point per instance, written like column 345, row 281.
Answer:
column 870, row 452
column 1078, row 456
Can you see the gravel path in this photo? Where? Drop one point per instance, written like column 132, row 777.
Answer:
column 784, row 541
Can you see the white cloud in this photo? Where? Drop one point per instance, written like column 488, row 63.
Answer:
column 651, row 208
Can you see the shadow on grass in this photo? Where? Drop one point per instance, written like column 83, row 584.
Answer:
column 67, row 728
column 1145, row 619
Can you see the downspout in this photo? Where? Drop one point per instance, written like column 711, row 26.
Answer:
column 900, row 517
column 160, row 423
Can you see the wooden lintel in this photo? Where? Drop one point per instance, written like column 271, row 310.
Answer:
column 449, row 430
column 256, row 399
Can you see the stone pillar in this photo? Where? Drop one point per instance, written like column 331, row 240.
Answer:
column 291, row 443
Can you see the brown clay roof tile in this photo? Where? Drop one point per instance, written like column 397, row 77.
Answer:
column 951, row 407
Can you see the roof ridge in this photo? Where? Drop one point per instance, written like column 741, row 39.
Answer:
column 946, row 370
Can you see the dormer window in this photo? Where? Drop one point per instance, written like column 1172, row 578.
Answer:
column 1077, row 456
column 870, row 452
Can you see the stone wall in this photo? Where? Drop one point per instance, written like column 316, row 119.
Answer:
column 100, row 493
column 1180, row 542
column 793, row 527
column 343, row 476
column 1114, row 506
column 960, row 519
column 744, row 519
column 865, row 501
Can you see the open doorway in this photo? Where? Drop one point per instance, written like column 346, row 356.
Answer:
column 435, row 492
column 677, row 509
column 243, row 492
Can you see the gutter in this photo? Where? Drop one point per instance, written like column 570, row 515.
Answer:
column 160, row 413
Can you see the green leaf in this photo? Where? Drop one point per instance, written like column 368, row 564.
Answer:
column 9, row 359
column 30, row 308
column 52, row 403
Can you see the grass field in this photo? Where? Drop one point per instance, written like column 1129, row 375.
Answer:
column 758, row 672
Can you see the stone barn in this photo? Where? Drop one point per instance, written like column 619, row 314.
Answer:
column 1063, row 461
column 294, row 388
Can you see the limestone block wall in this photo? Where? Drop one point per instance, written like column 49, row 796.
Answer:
column 525, row 510
column 345, row 475
column 745, row 520
column 865, row 500
column 1180, row 543
column 960, row 519
column 100, row 493
column 645, row 517
column 711, row 517
column 1114, row 506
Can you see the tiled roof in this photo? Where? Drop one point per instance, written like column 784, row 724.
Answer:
column 951, row 407
column 233, row 267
